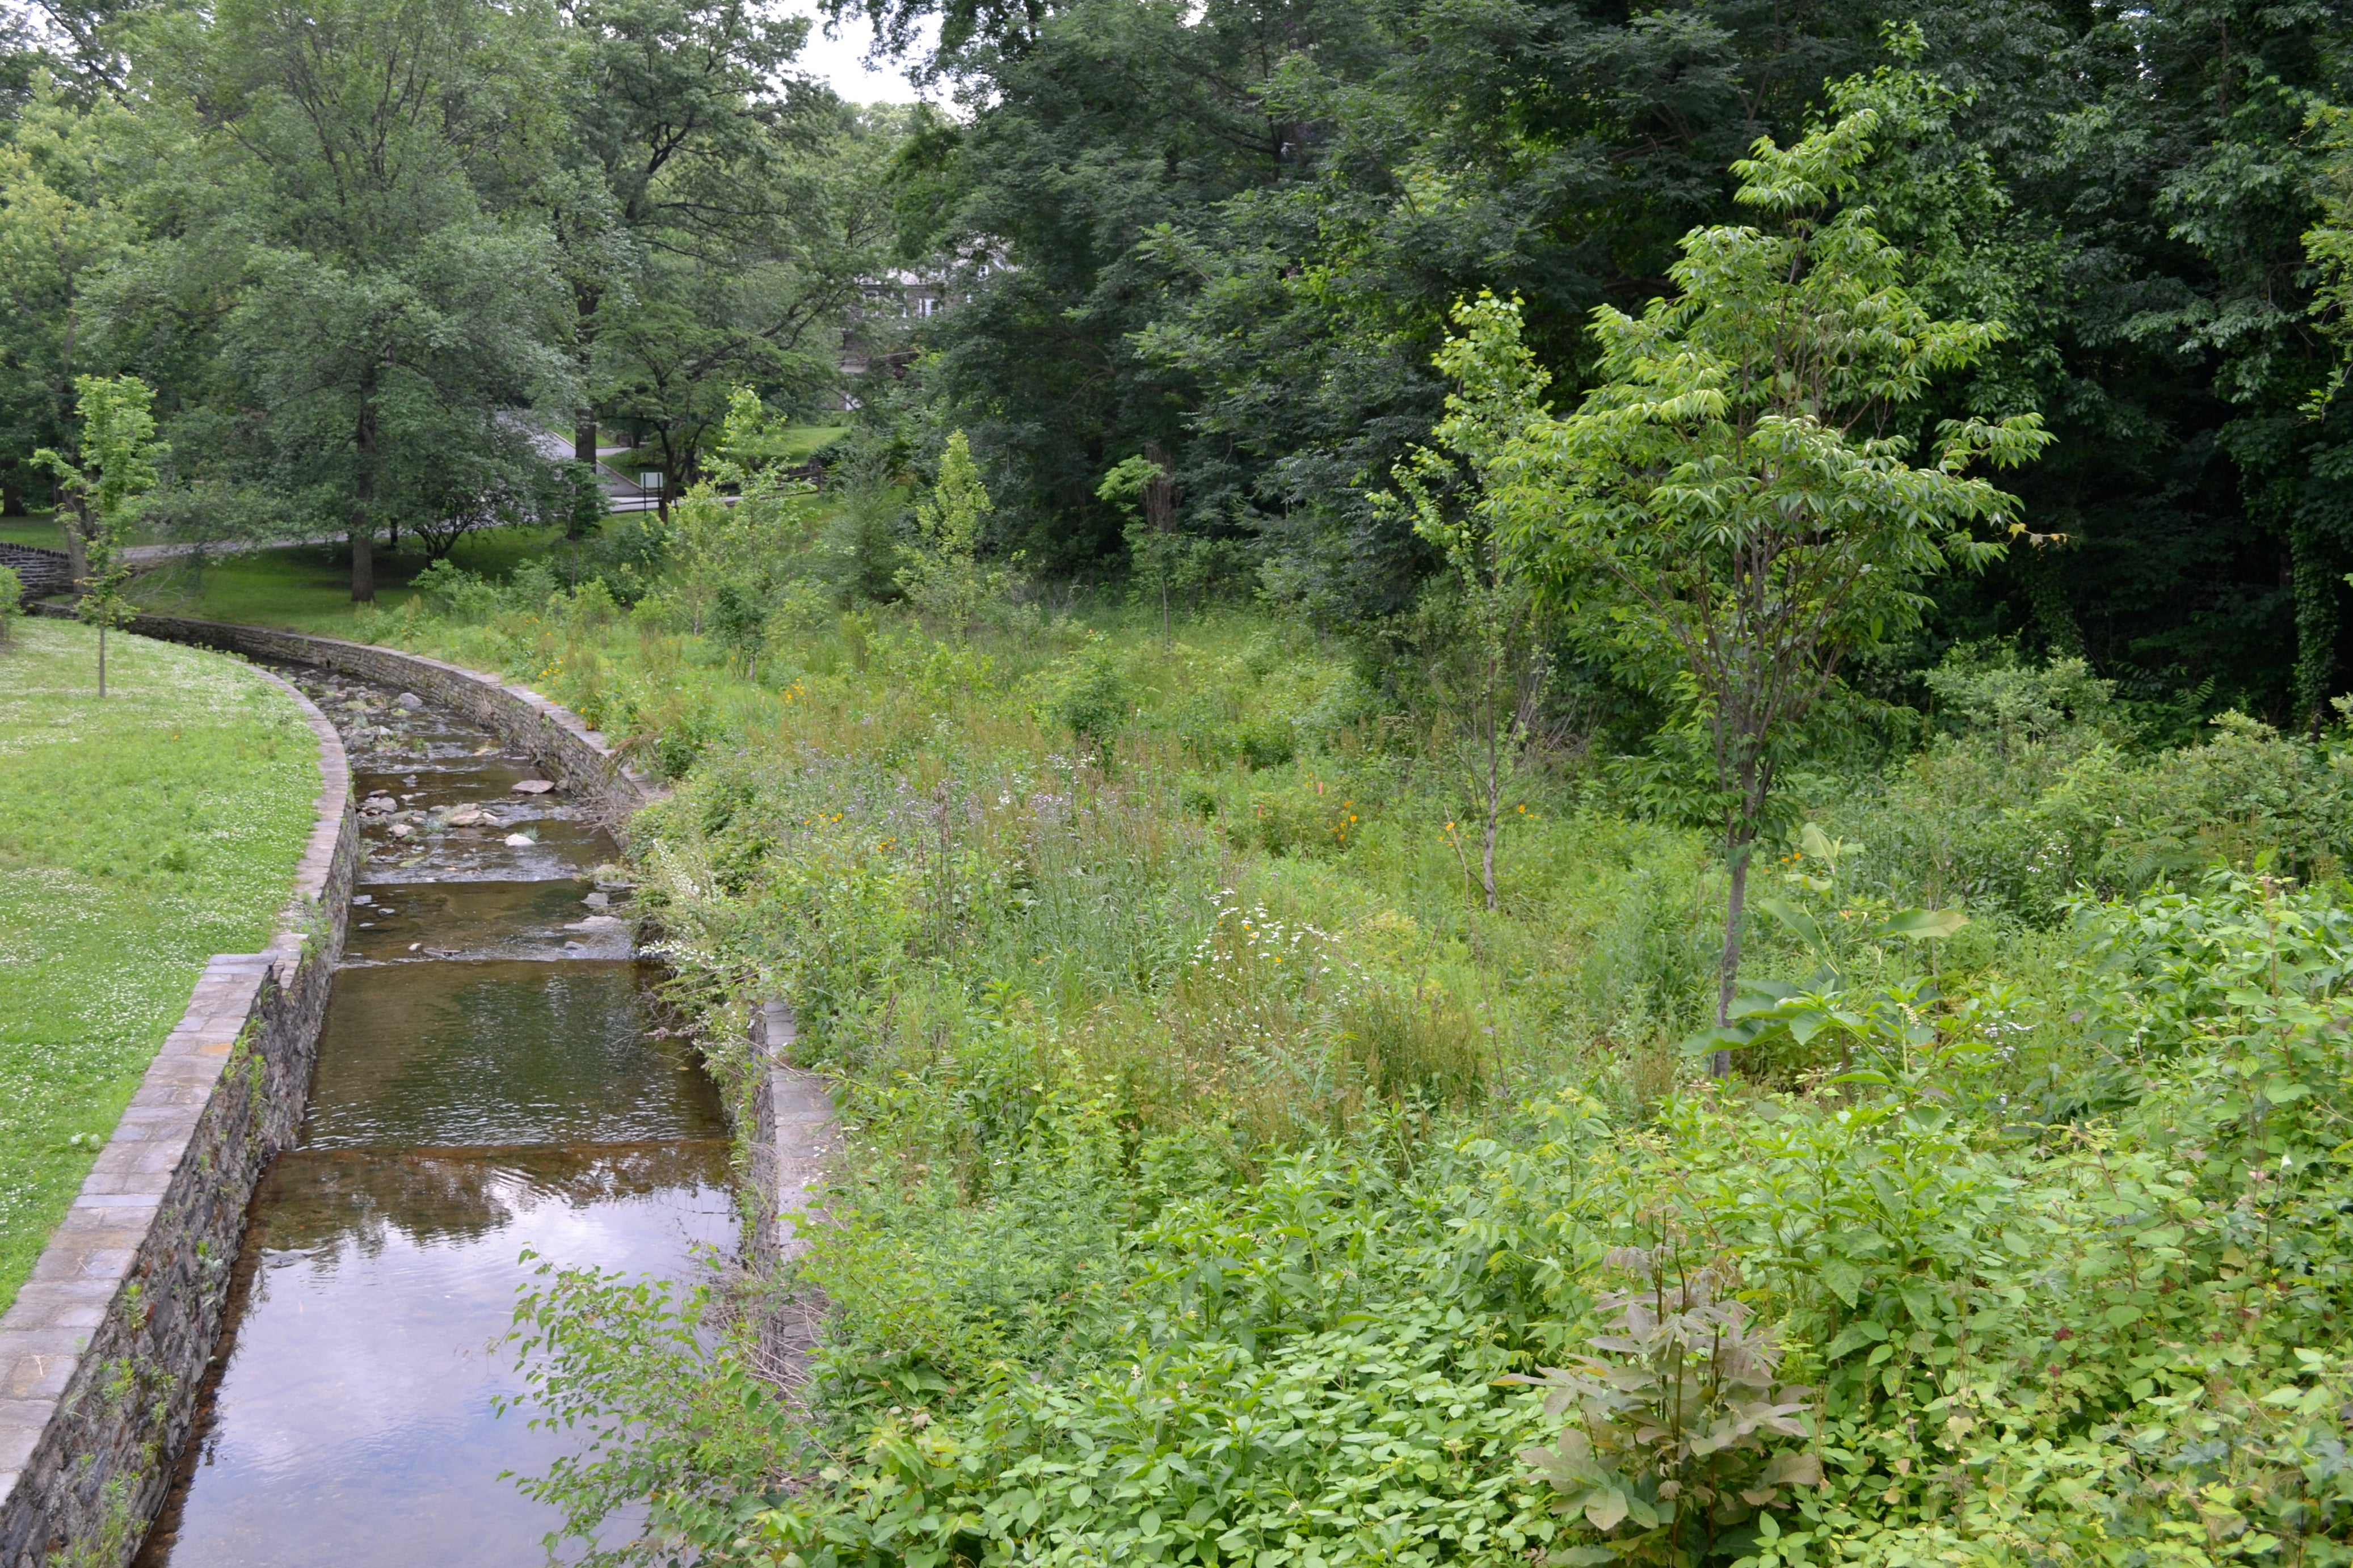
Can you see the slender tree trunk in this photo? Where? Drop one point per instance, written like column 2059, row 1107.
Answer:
column 364, row 500
column 73, row 510
column 101, row 659
column 1160, row 516
column 1494, row 801
column 1739, row 841
column 584, row 422
column 2314, row 579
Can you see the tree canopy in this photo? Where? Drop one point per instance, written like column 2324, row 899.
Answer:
column 374, row 257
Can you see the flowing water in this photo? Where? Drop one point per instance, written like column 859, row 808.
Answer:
column 489, row 1080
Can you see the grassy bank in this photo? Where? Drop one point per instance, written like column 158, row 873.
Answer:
column 138, row 836
column 308, row 587
column 1217, row 1158
column 44, row 531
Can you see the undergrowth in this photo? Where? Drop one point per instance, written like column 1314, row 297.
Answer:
column 1224, row 1182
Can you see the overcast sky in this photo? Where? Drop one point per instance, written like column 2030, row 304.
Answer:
column 842, row 62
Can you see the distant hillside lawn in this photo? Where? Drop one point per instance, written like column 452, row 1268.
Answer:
column 138, row 835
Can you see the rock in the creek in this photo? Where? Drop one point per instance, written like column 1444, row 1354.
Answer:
column 534, row 786
column 467, row 817
column 410, row 700
column 519, row 840
column 598, row 922
column 597, row 901
column 611, row 877
column 402, row 830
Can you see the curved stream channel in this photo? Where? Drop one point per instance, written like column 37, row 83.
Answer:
column 489, row 1080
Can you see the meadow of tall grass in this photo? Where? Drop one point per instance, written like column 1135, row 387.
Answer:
column 1222, row 1175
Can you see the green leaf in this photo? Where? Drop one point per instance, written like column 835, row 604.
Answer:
column 1853, row 1338
column 1724, row 1037
column 1800, row 925
column 1921, row 924
column 1845, row 1281
column 1796, row 1467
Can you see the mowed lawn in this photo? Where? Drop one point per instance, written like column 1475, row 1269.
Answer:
column 42, row 532
column 308, row 587
column 138, row 835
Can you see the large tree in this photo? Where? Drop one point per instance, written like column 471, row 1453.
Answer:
column 714, row 212
column 61, row 229
column 386, row 318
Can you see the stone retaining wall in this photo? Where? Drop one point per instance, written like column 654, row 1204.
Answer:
column 793, row 1142
column 41, row 571
column 104, row 1348
column 795, row 1148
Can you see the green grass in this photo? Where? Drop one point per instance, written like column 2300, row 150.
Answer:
column 308, row 587
column 138, row 836
column 794, row 444
column 44, row 531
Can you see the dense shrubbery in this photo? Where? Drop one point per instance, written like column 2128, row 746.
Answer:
column 1217, row 1159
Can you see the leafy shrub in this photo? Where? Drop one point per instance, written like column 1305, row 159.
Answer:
column 2030, row 795
column 1669, row 1451
column 450, row 591
column 1091, row 700
column 2247, row 794
column 12, row 598
column 860, row 549
column 1297, row 816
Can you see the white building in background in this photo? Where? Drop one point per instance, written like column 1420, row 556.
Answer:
column 893, row 304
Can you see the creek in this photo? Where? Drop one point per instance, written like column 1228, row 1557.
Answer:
column 490, row 1080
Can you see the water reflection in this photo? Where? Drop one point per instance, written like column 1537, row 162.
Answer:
column 353, row 1423
column 481, row 1053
